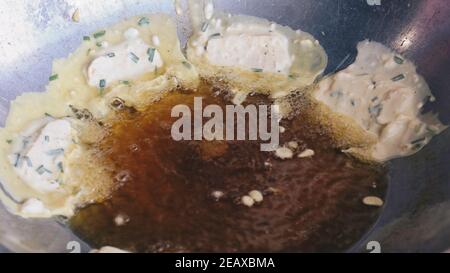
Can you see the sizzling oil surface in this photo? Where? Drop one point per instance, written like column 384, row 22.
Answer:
column 310, row 204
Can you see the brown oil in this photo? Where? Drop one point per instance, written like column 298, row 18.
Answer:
column 310, row 204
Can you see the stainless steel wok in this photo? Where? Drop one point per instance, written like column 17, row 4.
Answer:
column 416, row 217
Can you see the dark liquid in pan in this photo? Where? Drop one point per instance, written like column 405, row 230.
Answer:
column 310, row 204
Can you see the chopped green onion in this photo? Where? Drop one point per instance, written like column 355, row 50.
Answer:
column 99, row 44
column 335, row 94
column 16, row 163
column 102, row 83
column 55, row 152
column 60, row 167
column 9, row 141
column 204, row 26
column 398, row 77
column 257, row 69
column 111, row 55
column 292, row 77
column 133, row 57
column 398, row 60
column 186, row 64
column 99, row 34
column 418, row 141
column 151, row 54
column 125, row 82
column 41, row 170
column 28, row 160
column 214, row 35
column 86, row 38
column 53, row 77
column 375, row 111
column 143, row 21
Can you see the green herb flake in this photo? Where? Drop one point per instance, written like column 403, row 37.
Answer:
column 214, row 35
column 432, row 131
column 60, row 167
column 418, row 141
column 398, row 60
column 257, row 69
column 55, row 152
column 86, row 38
column 125, row 82
column 99, row 34
column 186, row 64
column 98, row 44
column 335, row 94
column 53, row 77
column 102, row 83
column 9, row 141
column 133, row 57
column 44, row 170
column 28, row 160
column 375, row 111
column 292, row 77
column 204, row 26
column 151, row 54
column 398, row 78
column 143, row 21
column 16, row 162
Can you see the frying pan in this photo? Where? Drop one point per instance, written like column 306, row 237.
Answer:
column 416, row 215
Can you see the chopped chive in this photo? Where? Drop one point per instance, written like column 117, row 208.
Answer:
column 41, row 170
column 48, row 115
column 417, row 140
column 28, row 160
column 47, row 138
column 398, row 60
column 86, row 38
column 214, row 35
column 60, row 167
column 143, row 21
column 375, row 111
column 55, row 152
column 204, row 26
column 432, row 131
column 186, row 64
column 53, row 77
column 102, row 83
column 125, row 82
column 257, row 69
column 291, row 76
column 151, row 54
column 398, row 77
column 133, row 57
column 335, row 94
column 99, row 34
column 98, row 44
column 88, row 51
column 111, row 55
column 9, row 141
column 16, row 162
